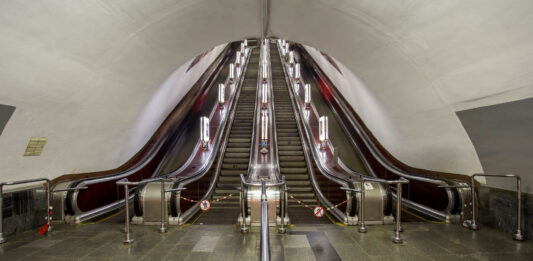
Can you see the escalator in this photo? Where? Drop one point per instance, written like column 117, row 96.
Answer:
column 292, row 161
column 236, row 157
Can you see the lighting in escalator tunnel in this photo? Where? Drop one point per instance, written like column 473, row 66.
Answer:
column 291, row 58
column 297, row 73
column 323, row 131
column 264, row 94
column 232, row 72
column 307, row 98
column 204, row 132
column 264, row 71
column 264, row 132
column 221, row 92
column 238, row 58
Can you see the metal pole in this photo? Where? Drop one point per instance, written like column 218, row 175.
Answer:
column 396, row 238
column 48, row 209
column 474, row 225
column 163, row 228
column 282, row 228
column 362, row 227
column 265, row 242
column 2, row 238
column 244, row 229
column 128, row 239
column 518, row 235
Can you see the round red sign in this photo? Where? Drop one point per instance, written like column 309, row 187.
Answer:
column 205, row 205
column 318, row 212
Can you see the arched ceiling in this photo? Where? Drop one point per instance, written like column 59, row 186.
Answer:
column 66, row 64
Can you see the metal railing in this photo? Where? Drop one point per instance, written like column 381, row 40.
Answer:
column 48, row 195
column 265, row 240
column 362, row 228
column 164, row 214
column 49, row 192
column 518, row 234
column 282, row 201
column 124, row 182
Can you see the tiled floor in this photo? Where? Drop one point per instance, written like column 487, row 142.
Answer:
column 423, row 241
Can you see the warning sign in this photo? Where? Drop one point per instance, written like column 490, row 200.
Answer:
column 205, row 205
column 318, row 212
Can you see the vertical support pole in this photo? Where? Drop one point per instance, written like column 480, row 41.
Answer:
column 362, row 227
column 244, row 228
column 2, row 238
column 48, row 207
column 396, row 238
column 163, row 228
column 474, row 225
column 282, row 198
column 265, row 241
column 518, row 235
column 128, row 239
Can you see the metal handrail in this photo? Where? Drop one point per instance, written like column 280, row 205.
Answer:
column 282, row 201
column 124, row 182
column 223, row 142
column 48, row 196
column 305, row 135
column 396, row 238
column 441, row 215
column 163, row 227
column 518, row 234
column 265, row 241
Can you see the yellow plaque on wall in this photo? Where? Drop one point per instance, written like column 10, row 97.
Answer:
column 35, row 146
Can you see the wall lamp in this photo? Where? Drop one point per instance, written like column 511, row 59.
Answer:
column 204, row 132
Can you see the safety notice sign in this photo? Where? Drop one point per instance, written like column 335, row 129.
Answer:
column 318, row 212
column 205, row 205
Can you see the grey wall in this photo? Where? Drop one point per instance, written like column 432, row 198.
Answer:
column 503, row 137
column 5, row 113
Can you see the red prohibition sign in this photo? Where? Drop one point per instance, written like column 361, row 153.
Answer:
column 205, row 205
column 318, row 212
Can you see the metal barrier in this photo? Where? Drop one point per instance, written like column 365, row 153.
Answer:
column 124, row 182
column 282, row 202
column 518, row 234
column 265, row 241
column 362, row 228
column 164, row 215
column 48, row 195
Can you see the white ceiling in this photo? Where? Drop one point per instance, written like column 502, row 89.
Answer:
column 81, row 72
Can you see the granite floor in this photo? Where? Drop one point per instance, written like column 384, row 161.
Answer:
column 423, row 241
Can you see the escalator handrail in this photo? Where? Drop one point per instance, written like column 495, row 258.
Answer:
column 443, row 215
column 224, row 137
column 314, row 182
column 146, row 160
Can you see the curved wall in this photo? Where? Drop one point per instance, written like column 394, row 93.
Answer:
column 81, row 73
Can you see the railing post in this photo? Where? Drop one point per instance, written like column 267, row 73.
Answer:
column 518, row 235
column 265, row 242
column 396, row 238
column 474, row 225
column 282, row 207
column 362, row 227
column 163, row 228
column 128, row 239
column 48, row 207
column 244, row 228
column 2, row 238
